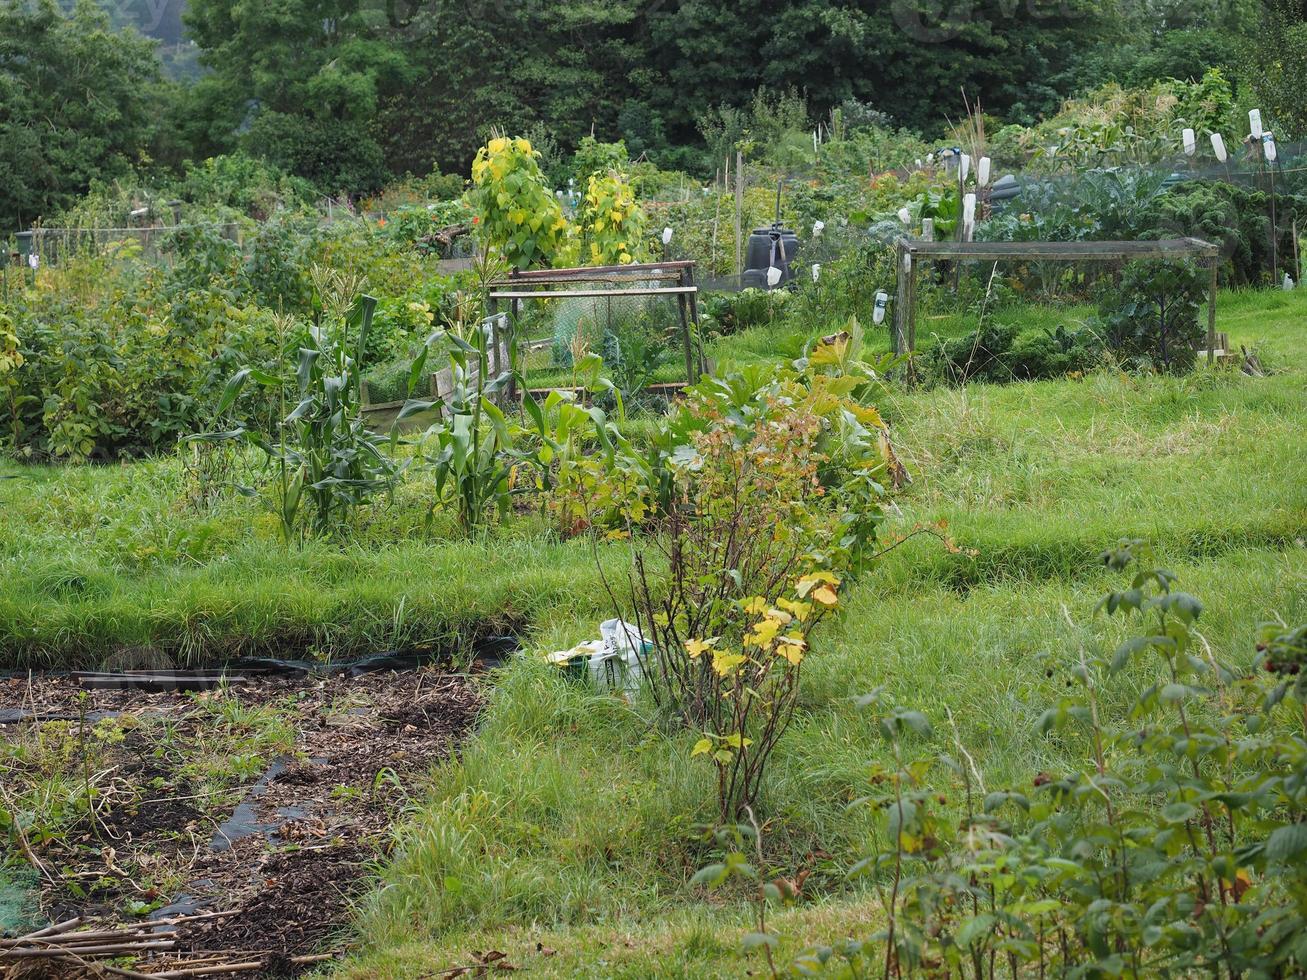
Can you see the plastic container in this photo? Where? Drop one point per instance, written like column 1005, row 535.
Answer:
column 768, row 248
column 575, row 663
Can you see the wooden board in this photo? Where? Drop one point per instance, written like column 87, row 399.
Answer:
column 1169, row 248
column 593, row 293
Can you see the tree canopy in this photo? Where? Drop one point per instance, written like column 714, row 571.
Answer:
column 351, row 93
column 77, row 104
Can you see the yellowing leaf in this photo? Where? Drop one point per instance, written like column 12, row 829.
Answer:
column 702, row 747
column 763, row 633
column 826, row 596
column 791, row 647
column 813, row 579
column 725, row 664
column 829, row 353
column 793, row 654
column 867, row 415
column 697, row 648
column 800, row 610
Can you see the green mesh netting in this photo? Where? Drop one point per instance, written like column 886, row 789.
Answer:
column 600, row 317
column 19, row 912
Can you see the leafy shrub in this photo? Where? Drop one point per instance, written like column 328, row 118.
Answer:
column 201, row 253
column 277, row 263
column 593, row 157
column 419, row 226
column 245, row 184
column 775, row 485
column 595, row 478
column 996, row 353
column 1178, row 849
column 127, row 370
column 11, row 359
column 1055, row 353
column 729, row 313
column 1234, row 217
column 1152, row 319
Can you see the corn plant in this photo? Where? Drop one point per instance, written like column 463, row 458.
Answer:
column 473, row 449
column 327, row 462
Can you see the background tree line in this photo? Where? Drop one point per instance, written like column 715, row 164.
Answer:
column 348, row 94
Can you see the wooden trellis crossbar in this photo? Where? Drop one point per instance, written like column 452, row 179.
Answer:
column 589, row 293
column 534, row 284
column 911, row 252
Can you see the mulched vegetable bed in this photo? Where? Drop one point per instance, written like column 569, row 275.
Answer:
column 264, row 801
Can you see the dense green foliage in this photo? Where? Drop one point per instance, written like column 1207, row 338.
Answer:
column 123, row 356
column 351, row 94
column 78, row 103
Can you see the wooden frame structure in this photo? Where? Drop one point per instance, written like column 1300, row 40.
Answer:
column 910, row 252
column 668, row 279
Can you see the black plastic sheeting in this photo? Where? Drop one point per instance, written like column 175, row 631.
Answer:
column 487, row 653
column 491, row 651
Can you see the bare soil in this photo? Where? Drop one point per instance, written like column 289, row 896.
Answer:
column 265, row 800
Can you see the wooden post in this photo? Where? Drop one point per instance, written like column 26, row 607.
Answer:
column 511, row 340
column 1211, row 316
column 683, row 305
column 911, row 271
column 739, row 212
column 901, row 312
column 1275, row 231
column 687, row 279
column 928, row 229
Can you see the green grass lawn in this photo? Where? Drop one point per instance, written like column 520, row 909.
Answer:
column 567, row 822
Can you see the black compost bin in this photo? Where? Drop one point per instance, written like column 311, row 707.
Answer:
column 774, row 246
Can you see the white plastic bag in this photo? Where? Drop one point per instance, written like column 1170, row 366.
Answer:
column 617, row 666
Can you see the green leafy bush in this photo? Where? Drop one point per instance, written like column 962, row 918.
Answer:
column 996, row 353
column 243, row 183
column 418, row 226
column 1178, row 849
column 772, row 490
column 1152, row 319
column 729, row 313
column 127, row 368
column 1235, row 217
